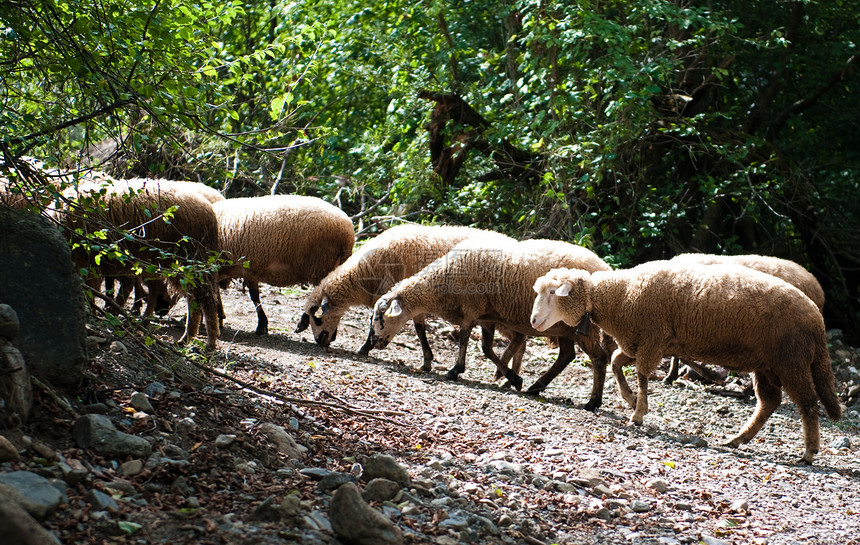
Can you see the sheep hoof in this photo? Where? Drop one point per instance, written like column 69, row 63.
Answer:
column 515, row 380
column 536, row 389
column 592, row 406
column 452, row 375
column 734, row 442
column 262, row 331
column 428, row 366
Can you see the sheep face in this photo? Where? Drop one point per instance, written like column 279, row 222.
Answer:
column 562, row 296
column 389, row 317
column 323, row 319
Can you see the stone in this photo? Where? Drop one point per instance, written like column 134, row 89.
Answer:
column 42, row 285
column 9, row 323
column 102, row 502
column 8, row 452
column 740, row 506
column 36, row 494
column 709, row 540
column 16, row 390
column 140, row 402
column 224, row 441
column 385, row 466
column 155, row 389
column 283, row 441
column 131, row 468
column 96, row 431
column 335, row 480
column 840, row 443
column 639, row 506
column 380, row 489
column 316, row 473
column 658, row 485
column 354, row 521
column 18, row 527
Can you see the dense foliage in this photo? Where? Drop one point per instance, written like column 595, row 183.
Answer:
column 640, row 128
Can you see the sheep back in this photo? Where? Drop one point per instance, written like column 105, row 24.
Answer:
column 491, row 278
column 793, row 273
column 383, row 261
column 286, row 239
column 728, row 315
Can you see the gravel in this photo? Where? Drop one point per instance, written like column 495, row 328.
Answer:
column 487, row 464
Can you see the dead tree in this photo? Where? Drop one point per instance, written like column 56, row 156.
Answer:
column 450, row 149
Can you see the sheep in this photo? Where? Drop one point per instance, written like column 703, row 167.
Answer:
column 791, row 272
column 156, row 294
column 742, row 319
column 488, row 281
column 371, row 271
column 281, row 240
column 190, row 234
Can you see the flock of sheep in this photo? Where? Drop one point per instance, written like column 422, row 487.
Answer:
column 753, row 314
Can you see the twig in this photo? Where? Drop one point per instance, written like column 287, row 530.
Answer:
column 53, row 395
column 370, row 413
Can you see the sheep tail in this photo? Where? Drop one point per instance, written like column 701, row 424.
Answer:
column 822, row 377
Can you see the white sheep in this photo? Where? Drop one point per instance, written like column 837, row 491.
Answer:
column 489, row 281
column 729, row 315
column 190, row 235
column 372, row 270
column 281, row 240
column 791, row 272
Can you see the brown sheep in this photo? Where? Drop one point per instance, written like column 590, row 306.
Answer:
column 729, row 315
column 281, row 240
column 189, row 236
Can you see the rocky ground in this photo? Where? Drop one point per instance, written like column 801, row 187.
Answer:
column 256, row 450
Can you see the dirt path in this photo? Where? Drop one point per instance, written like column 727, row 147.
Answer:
column 515, row 469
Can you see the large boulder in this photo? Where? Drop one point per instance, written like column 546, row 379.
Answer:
column 38, row 280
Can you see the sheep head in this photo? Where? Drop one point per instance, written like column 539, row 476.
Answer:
column 322, row 316
column 563, row 295
column 389, row 317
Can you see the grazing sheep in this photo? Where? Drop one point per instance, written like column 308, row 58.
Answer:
column 371, row 271
column 281, row 240
column 789, row 271
column 190, row 236
column 729, row 315
column 489, row 281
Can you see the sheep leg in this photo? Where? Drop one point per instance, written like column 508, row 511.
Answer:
column 262, row 321
column 516, row 357
column 421, row 331
column 619, row 360
column 513, row 354
column 368, row 343
column 806, row 400
column 566, row 347
column 517, row 343
column 460, row 366
column 674, row 371
column 768, row 392
column 566, row 353
column 646, row 363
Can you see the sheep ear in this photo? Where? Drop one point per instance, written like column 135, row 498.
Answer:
column 394, row 309
column 563, row 290
column 304, row 322
column 324, row 307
